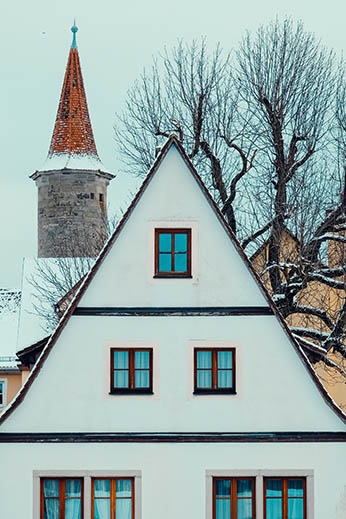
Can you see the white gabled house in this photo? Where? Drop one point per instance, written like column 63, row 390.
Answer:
column 171, row 387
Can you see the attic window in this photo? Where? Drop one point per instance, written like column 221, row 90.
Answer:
column 131, row 370
column 3, row 392
column 214, row 370
column 173, row 253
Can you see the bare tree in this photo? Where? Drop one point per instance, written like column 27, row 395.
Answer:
column 259, row 128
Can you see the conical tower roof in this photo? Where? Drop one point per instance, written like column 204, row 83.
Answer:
column 73, row 144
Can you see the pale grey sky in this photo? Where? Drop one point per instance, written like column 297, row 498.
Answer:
column 115, row 40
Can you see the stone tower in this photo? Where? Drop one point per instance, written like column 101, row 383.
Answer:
column 72, row 184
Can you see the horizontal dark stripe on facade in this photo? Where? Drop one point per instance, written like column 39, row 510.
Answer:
column 191, row 437
column 174, row 311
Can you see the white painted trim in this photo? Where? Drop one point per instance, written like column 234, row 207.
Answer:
column 173, row 224
column 155, row 346
column 87, row 476
column 201, row 343
column 4, row 393
column 259, row 475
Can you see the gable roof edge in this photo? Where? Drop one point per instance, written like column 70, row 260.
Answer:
column 172, row 140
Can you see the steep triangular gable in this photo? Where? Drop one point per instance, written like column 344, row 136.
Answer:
column 172, row 141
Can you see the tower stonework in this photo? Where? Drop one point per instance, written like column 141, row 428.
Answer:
column 72, row 185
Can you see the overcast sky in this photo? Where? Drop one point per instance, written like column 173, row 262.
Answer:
column 115, row 41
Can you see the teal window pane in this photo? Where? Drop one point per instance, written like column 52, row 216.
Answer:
column 295, row 488
column 121, row 359
column 121, row 378
column 142, row 359
column 224, row 359
column 274, row 488
column 123, row 509
column 244, row 509
column 123, row 488
column 165, row 262
column 204, row 359
column 274, row 509
column 295, row 509
column 244, row 488
column 180, row 262
column 1, row 393
column 224, row 378
column 73, row 488
column 73, row 509
column 102, row 508
column 51, row 488
column 223, row 488
column 51, row 509
column 203, row 378
column 223, row 509
column 180, row 243
column 165, row 242
column 102, row 487
column 142, row 378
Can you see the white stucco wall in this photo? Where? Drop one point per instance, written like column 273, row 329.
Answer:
column 274, row 390
column 174, row 475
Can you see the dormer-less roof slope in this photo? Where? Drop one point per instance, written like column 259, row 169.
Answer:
column 172, row 141
column 73, row 144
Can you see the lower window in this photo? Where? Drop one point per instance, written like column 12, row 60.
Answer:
column 112, row 498
column 284, row 498
column 61, row 498
column 234, row 498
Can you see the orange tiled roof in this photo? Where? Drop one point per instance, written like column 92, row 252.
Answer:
column 72, row 131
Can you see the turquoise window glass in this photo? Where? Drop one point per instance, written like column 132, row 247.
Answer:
column 121, row 359
column 121, row 378
column 1, row 393
column 73, row 509
column 51, row 509
column 123, row 509
column 244, row 488
column 223, row 509
column 204, row 359
column 102, row 488
column 102, row 508
column 165, row 242
column 223, row 488
column 295, row 488
column 244, row 509
column 51, row 487
column 123, row 488
column 180, row 262
column 274, row 508
column 165, row 262
column 274, row 488
column 224, row 359
column 180, row 242
column 224, row 378
column 73, row 488
column 204, row 378
column 142, row 359
column 295, row 509
column 142, row 378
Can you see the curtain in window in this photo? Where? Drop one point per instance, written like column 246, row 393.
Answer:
column 51, row 502
column 295, row 499
column 142, row 369
column 244, row 499
column 123, row 493
column 204, row 369
column 102, row 492
column 72, row 499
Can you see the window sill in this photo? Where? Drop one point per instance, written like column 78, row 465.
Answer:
column 174, row 276
column 214, row 392
column 126, row 391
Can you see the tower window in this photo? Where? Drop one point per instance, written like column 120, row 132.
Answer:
column 101, row 197
column 92, row 196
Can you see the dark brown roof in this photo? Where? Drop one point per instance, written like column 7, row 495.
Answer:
column 172, row 141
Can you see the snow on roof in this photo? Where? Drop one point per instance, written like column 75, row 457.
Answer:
column 73, row 161
column 9, row 314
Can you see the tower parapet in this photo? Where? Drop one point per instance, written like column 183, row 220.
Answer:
column 72, row 184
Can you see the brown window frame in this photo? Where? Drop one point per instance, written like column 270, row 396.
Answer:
column 234, row 502
column 132, row 371
column 172, row 273
column 62, row 484
column 284, row 494
column 113, row 495
column 214, row 389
